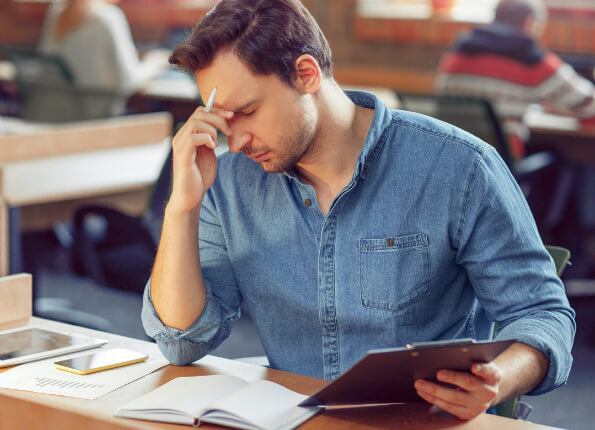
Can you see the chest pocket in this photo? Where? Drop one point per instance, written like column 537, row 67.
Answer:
column 394, row 272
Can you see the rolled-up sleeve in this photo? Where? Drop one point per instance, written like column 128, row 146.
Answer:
column 223, row 300
column 511, row 271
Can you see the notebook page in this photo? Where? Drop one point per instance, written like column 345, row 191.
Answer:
column 261, row 404
column 189, row 395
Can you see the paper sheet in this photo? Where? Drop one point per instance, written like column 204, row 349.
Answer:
column 42, row 377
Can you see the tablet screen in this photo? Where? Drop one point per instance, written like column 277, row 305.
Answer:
column 34, row 341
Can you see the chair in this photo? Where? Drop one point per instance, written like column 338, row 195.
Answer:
column 561, row 257
column 116, row 249
column 49, row 93
column 514, row 408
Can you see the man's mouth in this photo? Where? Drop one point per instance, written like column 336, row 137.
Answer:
column 259, row 157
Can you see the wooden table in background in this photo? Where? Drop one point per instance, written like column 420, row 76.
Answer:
column 565, row 135
column 46, row 174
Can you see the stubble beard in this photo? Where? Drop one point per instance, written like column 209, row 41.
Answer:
column 297, row 148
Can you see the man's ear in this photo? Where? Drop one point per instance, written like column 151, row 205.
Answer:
column 307, row 74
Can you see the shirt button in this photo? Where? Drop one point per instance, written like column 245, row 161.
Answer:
column 390, row 242
column 308, row 202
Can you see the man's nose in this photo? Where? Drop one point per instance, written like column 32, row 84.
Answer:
column 236, row 143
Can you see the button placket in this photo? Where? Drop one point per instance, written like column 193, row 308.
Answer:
column 327, row 300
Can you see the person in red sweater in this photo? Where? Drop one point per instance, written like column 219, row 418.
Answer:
column 503, row 62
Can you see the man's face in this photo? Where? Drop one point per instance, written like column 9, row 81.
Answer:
column 273, row 123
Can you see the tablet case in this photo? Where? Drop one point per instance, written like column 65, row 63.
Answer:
column 388, row 375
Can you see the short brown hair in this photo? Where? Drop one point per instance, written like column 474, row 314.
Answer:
column 267, row 35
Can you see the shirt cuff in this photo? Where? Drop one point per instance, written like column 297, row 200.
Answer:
column 183, row 346
column 545, row 339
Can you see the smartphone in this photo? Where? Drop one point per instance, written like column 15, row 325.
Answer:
column 102, row 360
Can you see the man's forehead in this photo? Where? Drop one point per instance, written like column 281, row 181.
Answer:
column 232, row 78
column 228, row 99
column 230, row 95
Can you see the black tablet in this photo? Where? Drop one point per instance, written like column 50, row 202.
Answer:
column 388, row 375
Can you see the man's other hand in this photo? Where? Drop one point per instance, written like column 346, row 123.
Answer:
column 472, row 395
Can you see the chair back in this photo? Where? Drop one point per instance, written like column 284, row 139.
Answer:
column 32, row 66
column 49, row 93
column 474, row 115
column 561, row 257
column 153, row 217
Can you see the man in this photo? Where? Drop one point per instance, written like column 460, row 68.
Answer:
column 503, row 62
column 342, row 225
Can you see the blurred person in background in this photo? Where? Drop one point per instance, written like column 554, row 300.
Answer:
column 94, row 40
column 504, row 63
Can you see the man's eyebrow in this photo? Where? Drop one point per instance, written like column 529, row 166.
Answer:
column 239, row 108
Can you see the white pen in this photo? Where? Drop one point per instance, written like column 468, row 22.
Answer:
column 211, row 100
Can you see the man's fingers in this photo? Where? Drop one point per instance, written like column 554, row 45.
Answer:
column 472, row 384
column 458, row 411
column 210, row 118
column 198, row 127
column 216, row 114
column 202, row 139
column 448, row 394
column 488, row 372
column 220, row 111
column 187, row 154
column 227, row 114
column 461, row 379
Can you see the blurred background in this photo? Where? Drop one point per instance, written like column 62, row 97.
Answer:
column 88, row 104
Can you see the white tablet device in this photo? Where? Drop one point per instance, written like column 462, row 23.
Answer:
column 31, row 344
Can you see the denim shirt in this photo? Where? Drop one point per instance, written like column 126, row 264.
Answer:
column 431, row 240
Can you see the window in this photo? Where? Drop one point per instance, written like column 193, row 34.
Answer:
column 474, row 10
column 395, row 8
column 460, row 10
column 463, row 10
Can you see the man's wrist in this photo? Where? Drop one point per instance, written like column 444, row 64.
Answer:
column 175, row 211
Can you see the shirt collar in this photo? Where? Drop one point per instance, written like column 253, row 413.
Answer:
column 376, row 134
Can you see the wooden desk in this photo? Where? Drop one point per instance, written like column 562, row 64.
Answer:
column 20, row 409
column 39, row 193
column 170, row 91
column 171, row 85
column 564, row 134
column 112, row 162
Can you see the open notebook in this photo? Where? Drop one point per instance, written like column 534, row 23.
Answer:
column 221, row 399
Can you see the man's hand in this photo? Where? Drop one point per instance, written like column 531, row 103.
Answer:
column 194, row 161
column 475, row 392
column 177, row 288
